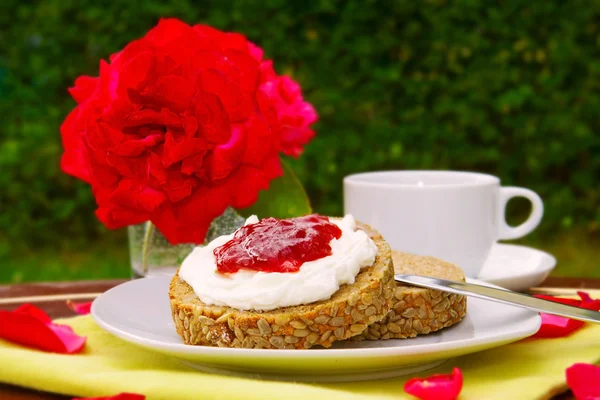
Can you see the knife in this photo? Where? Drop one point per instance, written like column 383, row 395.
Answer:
column 501, row 296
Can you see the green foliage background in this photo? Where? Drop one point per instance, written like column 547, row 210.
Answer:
column 510, row 88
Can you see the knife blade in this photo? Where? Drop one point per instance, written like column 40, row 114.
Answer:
column 502, row 296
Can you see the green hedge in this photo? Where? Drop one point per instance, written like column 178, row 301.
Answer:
column 510, row 88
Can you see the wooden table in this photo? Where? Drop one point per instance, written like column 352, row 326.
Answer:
column 51, row 298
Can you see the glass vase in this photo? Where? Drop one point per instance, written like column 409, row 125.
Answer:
column 152, row 255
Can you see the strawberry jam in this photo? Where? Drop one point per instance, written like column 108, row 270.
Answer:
column 277, row 245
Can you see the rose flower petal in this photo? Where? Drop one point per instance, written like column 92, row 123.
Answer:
column 293, row 113
column 31, row 327
column 584, row 381
column 554, row 326
column 80, row 308
column 120, row 396
column 436, row 387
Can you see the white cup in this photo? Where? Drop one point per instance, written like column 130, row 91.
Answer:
column 455, row 216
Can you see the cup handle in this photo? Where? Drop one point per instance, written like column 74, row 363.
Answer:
column 506, row 231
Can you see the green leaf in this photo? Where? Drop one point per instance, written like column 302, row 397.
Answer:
column 285, row 198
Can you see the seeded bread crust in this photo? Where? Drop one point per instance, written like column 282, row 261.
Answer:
column 347, row 313
column 419, row 311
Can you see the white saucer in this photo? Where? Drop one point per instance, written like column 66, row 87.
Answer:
column 138, row 311
column 516, row 267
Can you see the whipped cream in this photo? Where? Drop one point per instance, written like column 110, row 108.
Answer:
column 316, row 280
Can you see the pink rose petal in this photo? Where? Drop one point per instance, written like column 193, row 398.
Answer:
column 80, row 308
column 436, row 387
column 72, row 342
column 31, row 327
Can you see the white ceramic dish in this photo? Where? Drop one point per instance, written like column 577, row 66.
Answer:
column 516, row 267
column 138, row 311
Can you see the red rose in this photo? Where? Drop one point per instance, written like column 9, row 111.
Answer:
column 180, row 125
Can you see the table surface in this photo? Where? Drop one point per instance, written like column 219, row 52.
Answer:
column 52, row 296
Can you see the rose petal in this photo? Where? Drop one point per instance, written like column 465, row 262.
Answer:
column 584, row 381
column 190, row 125
column 215, row 60
column 120, row 59
column 136, row 71
column 168, row 29
column 128, row 167
column 170, row 91
column 35, row 312
column 261, row 142
column 293, row 138
column 227, row 156
column 208, row 32
column 193, row 164
column 72, row 342
column 179, row 192
column 30, row 326
column 80, row 308
column 236, row 41
column 554, row 326
column 120, row 396
column 114, row 217
column 109, row 79
column 182, row 50
column 178, row 186
column 250, row 180
column 294, row 114
column 289, row 89
column 170, row 119
column 130, row 194
column 436, row 387
column 73, row 160
column 101, row 135
column 167, row 65
column 267, row 72
column 168, row 223
column 146, row 117
column 213, row 121
column 248, row 67
column 135, row 148
column 156, row 169
column 84, row 87
column 29, row 331
column 588, row 302
column 193, row 228
column 237, row 103
column 176, row 150
column 256, row 52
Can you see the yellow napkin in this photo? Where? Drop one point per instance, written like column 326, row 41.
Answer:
column 530, row 369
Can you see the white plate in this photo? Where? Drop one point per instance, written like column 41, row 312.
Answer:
column 516, row 267
column 138, row 311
